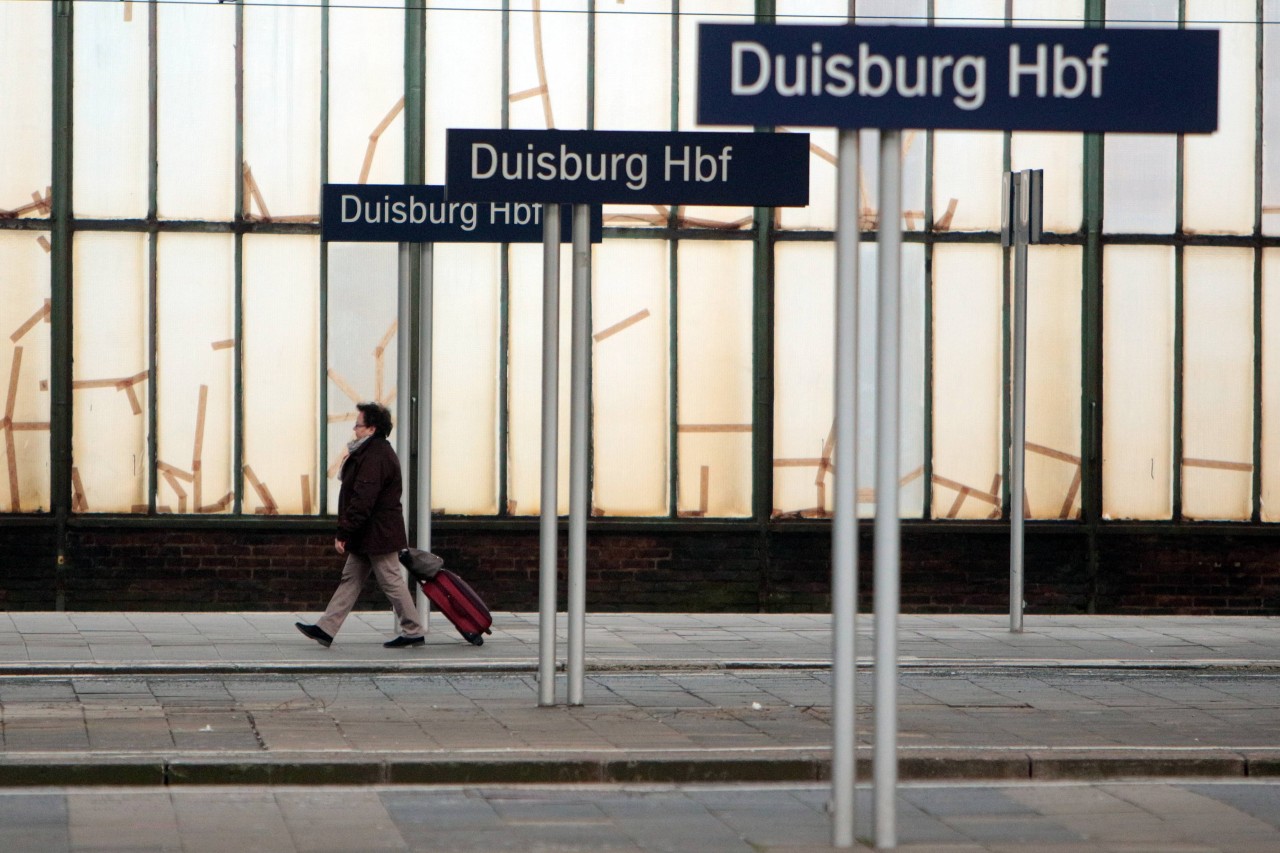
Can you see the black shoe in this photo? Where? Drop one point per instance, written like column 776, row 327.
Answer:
column 315, row 633
column 402, row 641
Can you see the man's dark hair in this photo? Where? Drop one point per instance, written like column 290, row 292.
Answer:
column 376, row 416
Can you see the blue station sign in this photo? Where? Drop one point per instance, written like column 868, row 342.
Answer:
column 401, row 213
column 969, row 78
column 613, row 167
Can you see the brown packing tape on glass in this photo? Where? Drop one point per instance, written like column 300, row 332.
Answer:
column 621, row 325
column 221, row 504
column 703, row 428
column 540, row 61
column 11, row 455
column 78, row 501
column 44, row 313
column 379, row 360
column 15, row 369
column 1217, row 465
column 264, row 494
column 374, row 137
column 197, row 449
column 944, row 222
column 253, row 194
column 306, row 494
column 344, row 386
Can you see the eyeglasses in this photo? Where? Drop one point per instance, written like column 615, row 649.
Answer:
column 359, row 426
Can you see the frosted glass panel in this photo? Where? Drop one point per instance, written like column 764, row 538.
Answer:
column 1048, row 13
column 1270, row 391
column 110, row 381
column 1140, row 180
column 804, row 450
column 633, row 68
column 1218, row 171
column 630, row 377
column 464, row 434
column 281, row 373
column 548, row 66
column 713, row 339
column 633, row 85
column 1140, row 189
column 1061, row 156
column 972, row 13
column 110, row 103
column 1270, row 120
column 195, row 356
column 196, row 110
column 363, row 344
column 282, row 111
column 24, row 370
column 1053, row 469
column 524, row 380
column 464, row 76
column 1217, row 402
column 26, row 120
column 968, row 173
column 1137, row 377
column 366, row 93
column 967, row 436
column 715, row 11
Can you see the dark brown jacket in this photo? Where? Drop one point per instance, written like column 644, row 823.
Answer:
column 370, row 518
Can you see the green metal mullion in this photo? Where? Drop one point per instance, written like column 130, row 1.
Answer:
column 1178, row 256
column 762, row 380
column 61, row 291
column 673, row 296
column 237, row 369
column 929, row 243
column 1258, row 330
column 1091, row 326
column 153, row 318
column 322, row 485
column 415, row 172
column 504, row 299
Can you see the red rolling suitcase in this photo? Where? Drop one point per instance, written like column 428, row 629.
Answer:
column 451, row 595
column 459, row 603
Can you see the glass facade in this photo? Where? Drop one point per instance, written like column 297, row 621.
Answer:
column 215, row 346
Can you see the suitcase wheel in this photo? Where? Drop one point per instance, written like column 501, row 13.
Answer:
column 473, row 639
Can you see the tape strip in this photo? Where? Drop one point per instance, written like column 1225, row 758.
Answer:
column 229, row 343
column 1217, row 465
column 197, row 450
column 621, row 325
column 78, row 502
column 713, row 428
column 944, row 223
column 374, row 137
column 14, row 369
column 264, row 494
column 43, row 314
column 541, row 63
column 344, row 386
column 306, row 494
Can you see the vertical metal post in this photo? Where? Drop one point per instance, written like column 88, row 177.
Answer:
column 844, row 540
column 887, row 527
column 580, row 354
column 425, row 355
column 402, row 433
column 1019, row 201
column 548, row 545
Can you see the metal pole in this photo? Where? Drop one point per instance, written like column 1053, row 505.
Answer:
column 844, row 540
column 550, row 427
column 425, row 413
column 578, row 495
column 404, row 383
column 887, row 544
column 1020, row 215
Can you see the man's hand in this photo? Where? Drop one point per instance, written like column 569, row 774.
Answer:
column 339, row 546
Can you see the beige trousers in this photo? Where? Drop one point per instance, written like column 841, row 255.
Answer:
column 386, row 568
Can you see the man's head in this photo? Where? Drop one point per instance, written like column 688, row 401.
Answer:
column 372, row 416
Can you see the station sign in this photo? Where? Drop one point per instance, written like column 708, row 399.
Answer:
column 401, row 213
column 646, row 167
column 964, row 78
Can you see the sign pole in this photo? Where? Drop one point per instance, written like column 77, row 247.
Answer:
column 578, row 493
column 887, row 527
column 425, row 307
column 1017, row 465
column 404, row 386
column 844, row 540
column 550, row 430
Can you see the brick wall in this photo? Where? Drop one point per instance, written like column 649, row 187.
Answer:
column 731, row 568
